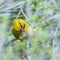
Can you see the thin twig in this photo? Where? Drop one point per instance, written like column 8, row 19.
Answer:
column 24, row 15
column 55, row 4
column 54, row 55
column 18, row 13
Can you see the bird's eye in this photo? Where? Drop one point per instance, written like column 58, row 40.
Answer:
column 20, row 25
column 24, row 26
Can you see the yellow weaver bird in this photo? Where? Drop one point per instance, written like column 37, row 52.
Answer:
column 20, row 26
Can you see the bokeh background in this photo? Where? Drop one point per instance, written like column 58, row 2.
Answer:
column 43, row 16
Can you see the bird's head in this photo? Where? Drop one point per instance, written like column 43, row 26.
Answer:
column 20, row 25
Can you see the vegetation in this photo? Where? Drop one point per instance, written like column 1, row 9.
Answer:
column 43, row 43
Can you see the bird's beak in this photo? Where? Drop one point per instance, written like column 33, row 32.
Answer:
column 22, row 30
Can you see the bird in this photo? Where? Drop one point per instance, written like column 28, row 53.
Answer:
column 20, row 27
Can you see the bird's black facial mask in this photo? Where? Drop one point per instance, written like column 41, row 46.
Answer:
column 22, row 27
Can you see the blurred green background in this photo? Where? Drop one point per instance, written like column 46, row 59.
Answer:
column 41, row 15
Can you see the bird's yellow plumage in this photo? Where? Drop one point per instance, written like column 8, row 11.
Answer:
column 19, row 26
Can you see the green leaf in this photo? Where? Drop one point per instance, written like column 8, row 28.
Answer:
column 44, row 5
column 42, row 35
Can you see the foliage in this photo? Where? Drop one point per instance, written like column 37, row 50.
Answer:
column 44, row 19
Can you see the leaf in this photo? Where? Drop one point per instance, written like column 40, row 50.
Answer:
column 42, row 35
column 44, row 5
